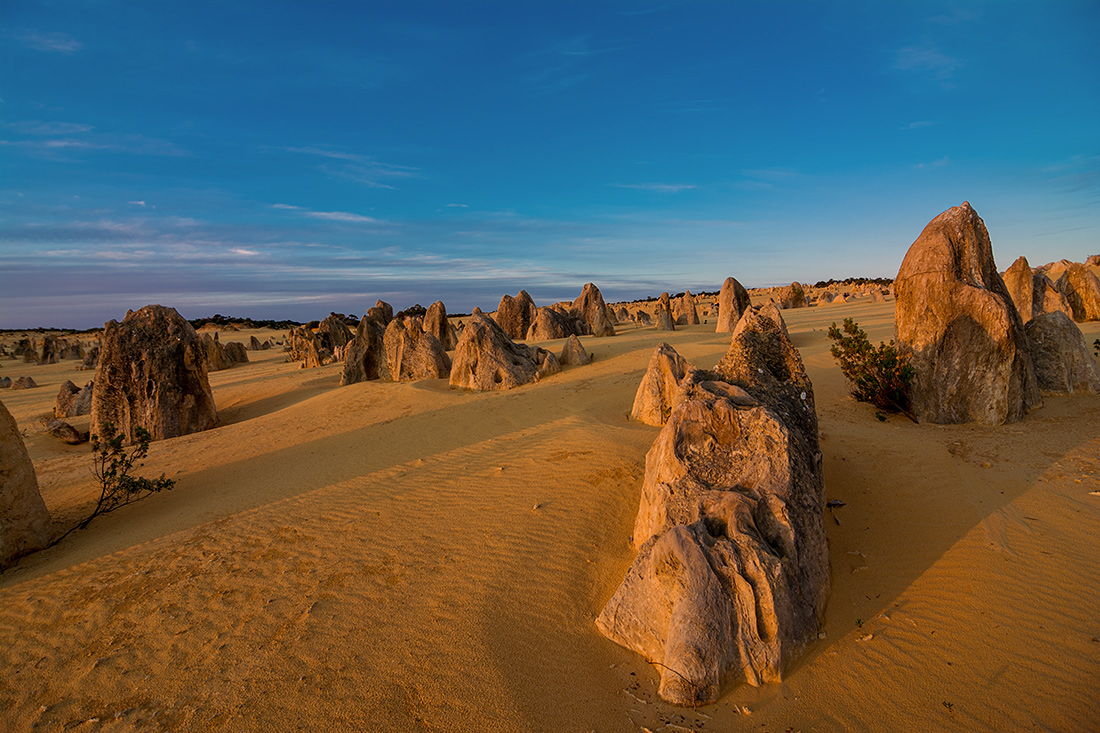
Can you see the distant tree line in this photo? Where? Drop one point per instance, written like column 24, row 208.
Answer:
column 219, row 320
column 884, row 281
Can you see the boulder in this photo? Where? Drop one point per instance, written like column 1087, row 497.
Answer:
column 413, row 354
column 957, row 324
column 1082, row 291
column 24, row 383
column 590, row 306
column 486, row 359
column 436, row 323
column 72, row 351
column 515, row 315
column 91, row 358
column 642, row 317
column 152, row 374
column 5, row 382
column 733, row 300
column 334, row 333
column 236, row 352
column 66, row 398
column 573, row 353
column 1032, row 292
column 365, row 355
column 661, row 382
column 550, row 323
column 216, row 357
column 731, row 578
column 686, row 313
column 1061, row 356
column 50, row 350
column 63, row 431
column 1092, row 261
column 663, row 317
column 24, row 520
column 792, row 296
column 30, row 356
column 623, row 315
column 382, row 312
column 254, row 343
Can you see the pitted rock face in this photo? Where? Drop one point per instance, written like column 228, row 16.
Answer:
column 486, row 359
column 663, row 317
column 413, row 354
column 590, row 306
column 436, row 323
column 573, row 353
column 515, row 315
column 365, row 355
column 1032, row 292
column 733, row 300
column 686, row 312
column 152, row 373
column 792, row 296
column 24, row 520
column 956, row 322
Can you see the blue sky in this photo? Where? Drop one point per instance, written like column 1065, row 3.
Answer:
column 281, row 160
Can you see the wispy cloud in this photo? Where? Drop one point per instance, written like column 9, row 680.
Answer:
column 244, row 252
column 357, row 167
column 137, row 203
column 37, row 127
column 288, row 207
column 458, row 206
column 916, row 125
column 935, row 163
column 343, row 216
column 926, row 58
column 50, row 42
column 658, row 187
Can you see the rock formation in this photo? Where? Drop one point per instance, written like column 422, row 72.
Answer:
column 663, row 317
column 152, row 374
column 956, row 322
column 515, row 315
column 573, row 353
column 486, row 359
column 365, row 355
column 254, row 343
column 686, row 313
column 1032, row 291
column 412, row 353
column 591, row 307
column 792, row 296
column 1061, row 356
column 660, row 384
column 1082, row 291
column 733, row 300
column 63, row 431
column 334, row 333
column 436, row 323
column 236, row 352
column 24, row 519
column 216, row 358
column 72, row 401
column 642, row 318
column 732, row 573
column 550, row 324
column 382, row 312
column 24, row 383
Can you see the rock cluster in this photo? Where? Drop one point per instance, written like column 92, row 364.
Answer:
column 486, row 359
column 731, row 577
column 24, row 519
column 957, row 323
column 1032, row 292
column 412, row 353
column 152, row 373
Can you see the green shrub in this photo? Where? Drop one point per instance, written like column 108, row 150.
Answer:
column 880, row 375
column 112, row 466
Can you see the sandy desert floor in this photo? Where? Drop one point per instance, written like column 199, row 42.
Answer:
column 404, row 557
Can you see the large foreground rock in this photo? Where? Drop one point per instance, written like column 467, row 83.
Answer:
column 486, row 359
column 24, row 519
column 1061, row 356
column 732, row 574
column 956, row 322
column 733, row 300
column 1032, row 291
column 152, row 374
column 1082, row 291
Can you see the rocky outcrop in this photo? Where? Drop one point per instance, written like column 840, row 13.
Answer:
column 732, row 576
column 333, row 333
column 236, row 352
column 733, row 300
column 91, row 358
column 1061, row 356
column 623, row 315
column 686, row 313
column 216, row 357
column 956, row 322
column 792, row 296
column 381, row 312
column 1032, row 292
column 24, row 519
column 365, row 355
column 63, row 431
column 590, row 306
column 486, row 359
column 72, row 401
column 573, row 353
column 515, row 315
column 152, row 373
column 255, row 344
column 436, row 323
column 663, row 317
column 24, row 383
column 657, row 392
column 642, row 318
column 413, row 354
column 1082, row 291
column 550, row 323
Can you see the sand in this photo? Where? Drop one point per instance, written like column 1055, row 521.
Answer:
column 403, row 557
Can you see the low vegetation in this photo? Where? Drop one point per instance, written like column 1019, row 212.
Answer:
column 880, row 376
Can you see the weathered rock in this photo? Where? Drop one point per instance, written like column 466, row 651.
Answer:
column 686, row 313
column 733, row 300
column 623, row 315
column 591, row 307
column 1092, row 261
column 792, row 296
column 1061, row 356
column 334, row 333
column 63, row 431
column 91, row 358
column 573, row 353
column 5, row 382
column 878, row 296
column 550, row 323
column 152, row 374
column 732, row 577
column 1082, row 291
column 24, row 519
column 50, row 350
column 254, row 343
column 216, row 358
column 642, row 317
column 515, row 315
column 412, row 354
column 486, row 359
column 30, row 356
column 66, row 398
column 663, row 317
column 661, row 382
column 382, row 312
column 1032, row 292
column 957, row 324
column 436, row 323
column 72, row 351
column 24, row 383
column 236, row 352
column 365, row 355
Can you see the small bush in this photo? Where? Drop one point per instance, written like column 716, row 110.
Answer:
column 880, row 375
column 112, row 466
column 1096, row 347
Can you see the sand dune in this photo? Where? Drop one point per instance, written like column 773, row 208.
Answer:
column 402, row 556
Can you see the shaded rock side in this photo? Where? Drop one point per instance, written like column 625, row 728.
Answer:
column 573, row 353
column 236, row 352
column 660, row 384
column 733, row 300
column 590, row 306
column 1061, row 356
column 662, row 318
column 486, row 359
column 216, row 356
column 436, row 323
column 382, row 312
column 1032, row 292
column 72, row 401
column 152, row 373
column 515, row 315
column 365, row 355
column 957, row 323
column 24, row 519
column 413, row 354
column 1082, row 291
column 686, row 312
column 550, row 323
column 24, row 383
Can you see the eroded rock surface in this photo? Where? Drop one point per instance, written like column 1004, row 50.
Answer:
column 686, row 312
column 1061, row 356
column 792, row 296
column 956, row 322
column 365, row 354
column 515, row 315
column 1082, row 291
column 412, row 353
column 1032, row 292
column 733, row 300
column 590, row 306
column 24, row 519
column 573, row 353
column 662, row 318
column 486, row 359
column 436, row 323
column 72, row 401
